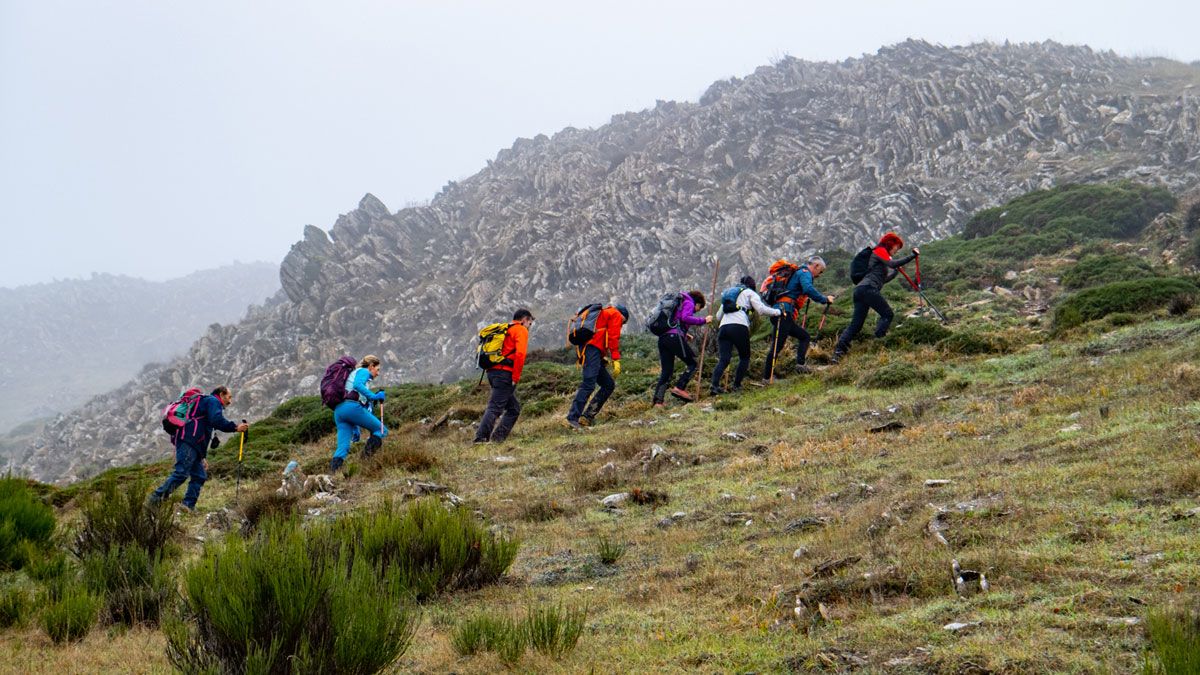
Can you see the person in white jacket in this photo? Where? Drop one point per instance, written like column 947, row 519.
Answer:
column 734, row 332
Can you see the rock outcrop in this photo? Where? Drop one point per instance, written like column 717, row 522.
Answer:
column 792, row 159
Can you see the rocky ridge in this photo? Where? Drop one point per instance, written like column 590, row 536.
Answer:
column 794, row 158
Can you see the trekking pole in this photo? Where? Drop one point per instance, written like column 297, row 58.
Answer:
column 821, row 326
column 241, row 445
column 775, row 347
column 704, row 342
column 921, row 293
column 804, row 319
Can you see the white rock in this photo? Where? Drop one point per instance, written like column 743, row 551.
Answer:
column 614, row 500
column 799, row 553
column 1070, row 430
column 937, row 482
column 959, row 626
column 504, row 459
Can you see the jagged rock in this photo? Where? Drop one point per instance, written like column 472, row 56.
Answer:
column 772, row 160
column 614, row 500
column 804, row 524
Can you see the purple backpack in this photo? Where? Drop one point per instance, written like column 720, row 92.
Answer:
column 333, row 385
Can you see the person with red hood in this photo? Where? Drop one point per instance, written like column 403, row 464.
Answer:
column 868, row 294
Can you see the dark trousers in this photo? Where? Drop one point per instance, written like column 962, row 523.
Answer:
column 502, row 404
column 732, row 336
column 865, row 299
column 784, row 327
column 671, row 347
column 189, row 463
column 594, row 373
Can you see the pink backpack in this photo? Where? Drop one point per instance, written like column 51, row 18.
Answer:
column 182, row 410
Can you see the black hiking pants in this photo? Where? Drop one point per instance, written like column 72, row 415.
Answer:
column 594, row 373
column 732, row 336
column 866, row 298
column 671, row 347
column 785, row 327
column 502, row 404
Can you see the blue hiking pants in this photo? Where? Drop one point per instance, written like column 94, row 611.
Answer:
column 349, row 416
column 189, row 463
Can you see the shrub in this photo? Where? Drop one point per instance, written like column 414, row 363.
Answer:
column 479, row 633
column 1181, row 304
column 1103, row 269
column 894, row 375
column 609, row 550
column 265, row 504
column 1120, row 209
column 277, row 605
column 542, row 510
column 554, row 631
column 969, row 343
column 136, row 586
column 313, row 427
column 114, row 517
column 1139, row 295
column 1174, row 641
column 72, row 616
column 14, row 605
column 917, row 332
column 23, row 519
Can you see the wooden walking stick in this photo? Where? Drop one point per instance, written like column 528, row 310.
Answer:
column 704, row 343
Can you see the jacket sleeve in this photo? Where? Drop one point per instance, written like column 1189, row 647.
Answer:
column 613, row 335
column 762, row 307
column 896, row 264
column 806, row 286
column 687, row 312
column 216, row 418
column 361, row 377
column 520, row 346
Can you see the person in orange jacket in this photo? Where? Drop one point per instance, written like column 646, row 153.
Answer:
column 503, row 378
column 605, row 344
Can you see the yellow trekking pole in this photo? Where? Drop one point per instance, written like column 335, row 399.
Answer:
column 241, row 445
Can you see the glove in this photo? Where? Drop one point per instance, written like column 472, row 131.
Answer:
column 616, row 368
column 215, row 442
column 381, row 396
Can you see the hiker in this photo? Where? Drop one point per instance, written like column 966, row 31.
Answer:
column 734, row 331
column 191, row 447
column 673, row 344
column 503, row 377
column 605, row 346
column 868, row 294
column 798, row 291
column 354, row 413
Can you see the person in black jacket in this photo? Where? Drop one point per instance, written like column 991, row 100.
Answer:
column 191, row 447
column 868, row 294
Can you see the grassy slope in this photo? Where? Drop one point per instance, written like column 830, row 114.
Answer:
column 1082, row 450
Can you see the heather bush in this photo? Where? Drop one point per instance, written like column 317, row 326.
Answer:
column 26, row 523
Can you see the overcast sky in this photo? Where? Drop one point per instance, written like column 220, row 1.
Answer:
column 157, row 137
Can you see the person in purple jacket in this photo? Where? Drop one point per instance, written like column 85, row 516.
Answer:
column 673, row 344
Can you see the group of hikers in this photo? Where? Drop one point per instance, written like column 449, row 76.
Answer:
column 595, row 331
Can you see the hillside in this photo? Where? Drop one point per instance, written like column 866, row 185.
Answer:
column 793, row 158
column 111, row 327
column 1046, row 437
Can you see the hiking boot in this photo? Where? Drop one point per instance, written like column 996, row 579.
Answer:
column 735, row 390
column 837, row 357
column 335, row 464
column 717, row 391
column 574, row 424
column 659, row 404
column 373, row 444
column 802, row 369
column 587, row 421
column 681, row 394
column 479, row 441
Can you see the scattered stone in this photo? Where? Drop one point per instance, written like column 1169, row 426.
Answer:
column 832, row 565
column 607, row 451
column 800, row 553
column 1010, row 275
column 779, row 411
column 1074, row 416
column 805, row 524
column 959, row 626
column 708, row 409
column 733, row 436
column 223, row 520
column 614, row 500
column 327, row 497
column 1190, row 513
column 1002, row 291
column 675, row 416
column 1070, row 430
column 893, row 409
column 455, row 500
column 759, row 450
column 1122, row 620
column 967, row 582
column 894, row 425
column 608, row 471
column 937, row 482
column 1150, row 558
column 504, row 459
column 735, row 517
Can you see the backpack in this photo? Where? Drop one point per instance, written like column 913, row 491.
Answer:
column 860, row 264
column 582, row 327
column 181, row 411
column 662, row 319
column 491, row 346
column 775, row 285
column 333, row 384
column 729, row 299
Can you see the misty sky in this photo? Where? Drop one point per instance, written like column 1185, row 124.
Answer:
column 154, row 138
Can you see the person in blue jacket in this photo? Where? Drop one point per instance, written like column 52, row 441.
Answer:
column 799, row 286
column 355, row 413
column 191, row 447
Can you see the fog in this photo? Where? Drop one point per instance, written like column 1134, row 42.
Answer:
column 155, row 139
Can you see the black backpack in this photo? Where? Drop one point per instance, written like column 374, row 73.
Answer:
column 860, row 264
column 582, row 327
column 662, row 319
